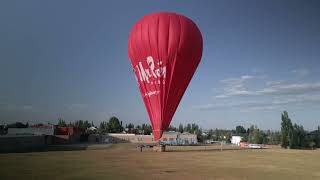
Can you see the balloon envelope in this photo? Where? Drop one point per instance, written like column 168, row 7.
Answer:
column 165, row 50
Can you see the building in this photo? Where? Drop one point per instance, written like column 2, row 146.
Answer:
column 187, row 138
column 169, row 138
column 177, row 138
column 236, row 140
column 67, row 135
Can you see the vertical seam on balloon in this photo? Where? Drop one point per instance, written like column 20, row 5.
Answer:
column 154, row 85
column 159, row 125
column 141, row 43
column 168, row 36
column 134, row 47
column 188, row 81
column 159, row 59
column 168, row 39
column 144, row 83
column 150, row 112
column 173, row 65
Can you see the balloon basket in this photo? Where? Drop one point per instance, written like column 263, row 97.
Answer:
column 159, row 148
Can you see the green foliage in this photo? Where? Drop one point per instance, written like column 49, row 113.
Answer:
column 256, row 136
column 61, row 123
column 210, row 134
column 312, row 144
column 82, row 124
column 191, row 128
column 274, row 137
column 228, row 137
column 103, row 128
column 200, row 138
column 130, row 128
column 286, row 130
column 187, row 128
column 290, row 136
column 172, row 128
column 114, row 125
column 295, row 137
column 146, row 129
column 240, row 130
column 180, row 128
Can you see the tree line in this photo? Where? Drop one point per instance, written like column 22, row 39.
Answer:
column 294, row 136
column 291, row 135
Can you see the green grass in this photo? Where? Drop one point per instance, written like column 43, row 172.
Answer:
column 124, row 161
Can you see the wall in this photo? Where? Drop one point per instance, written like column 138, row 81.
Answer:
column 176, row 138
column 21, row 143
column 31, row 131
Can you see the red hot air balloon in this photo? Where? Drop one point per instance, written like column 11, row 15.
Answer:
column 165, row 50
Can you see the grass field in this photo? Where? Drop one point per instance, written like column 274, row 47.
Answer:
column 123, row 161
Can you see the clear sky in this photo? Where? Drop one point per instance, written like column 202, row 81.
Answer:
column 69, row 59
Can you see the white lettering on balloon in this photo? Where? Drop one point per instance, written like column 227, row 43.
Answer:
column 153, row 73
column 152, row 93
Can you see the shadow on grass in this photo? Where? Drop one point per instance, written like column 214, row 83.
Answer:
column 69, row 147
column 209, row 150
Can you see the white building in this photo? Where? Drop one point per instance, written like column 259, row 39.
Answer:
column 236, row 140
column 187, row 138
column 169, row 138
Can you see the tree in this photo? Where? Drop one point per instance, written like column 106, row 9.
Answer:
column 171, row 128
column 103, row 127
column 187, row 128
column 139, row 129
column 275, row 138
column 294, row 136
column 194, row 128
column 180, row 128
column 297, row 137
column 114, row 125
column 147, row 129
column 61, row 122
column 286, row 130
column 257, row 136
column 317, row 137
column 210, row 134
column 199, row 135
column 228, row 137
column 130, row 128
column 82, row 124
column 312, row 144
column 240, row 130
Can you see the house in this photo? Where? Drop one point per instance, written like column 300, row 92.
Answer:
column 188, row 138
column 170, row 138
column 236, row 140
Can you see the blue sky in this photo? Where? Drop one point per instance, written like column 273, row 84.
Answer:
column 69, row 59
